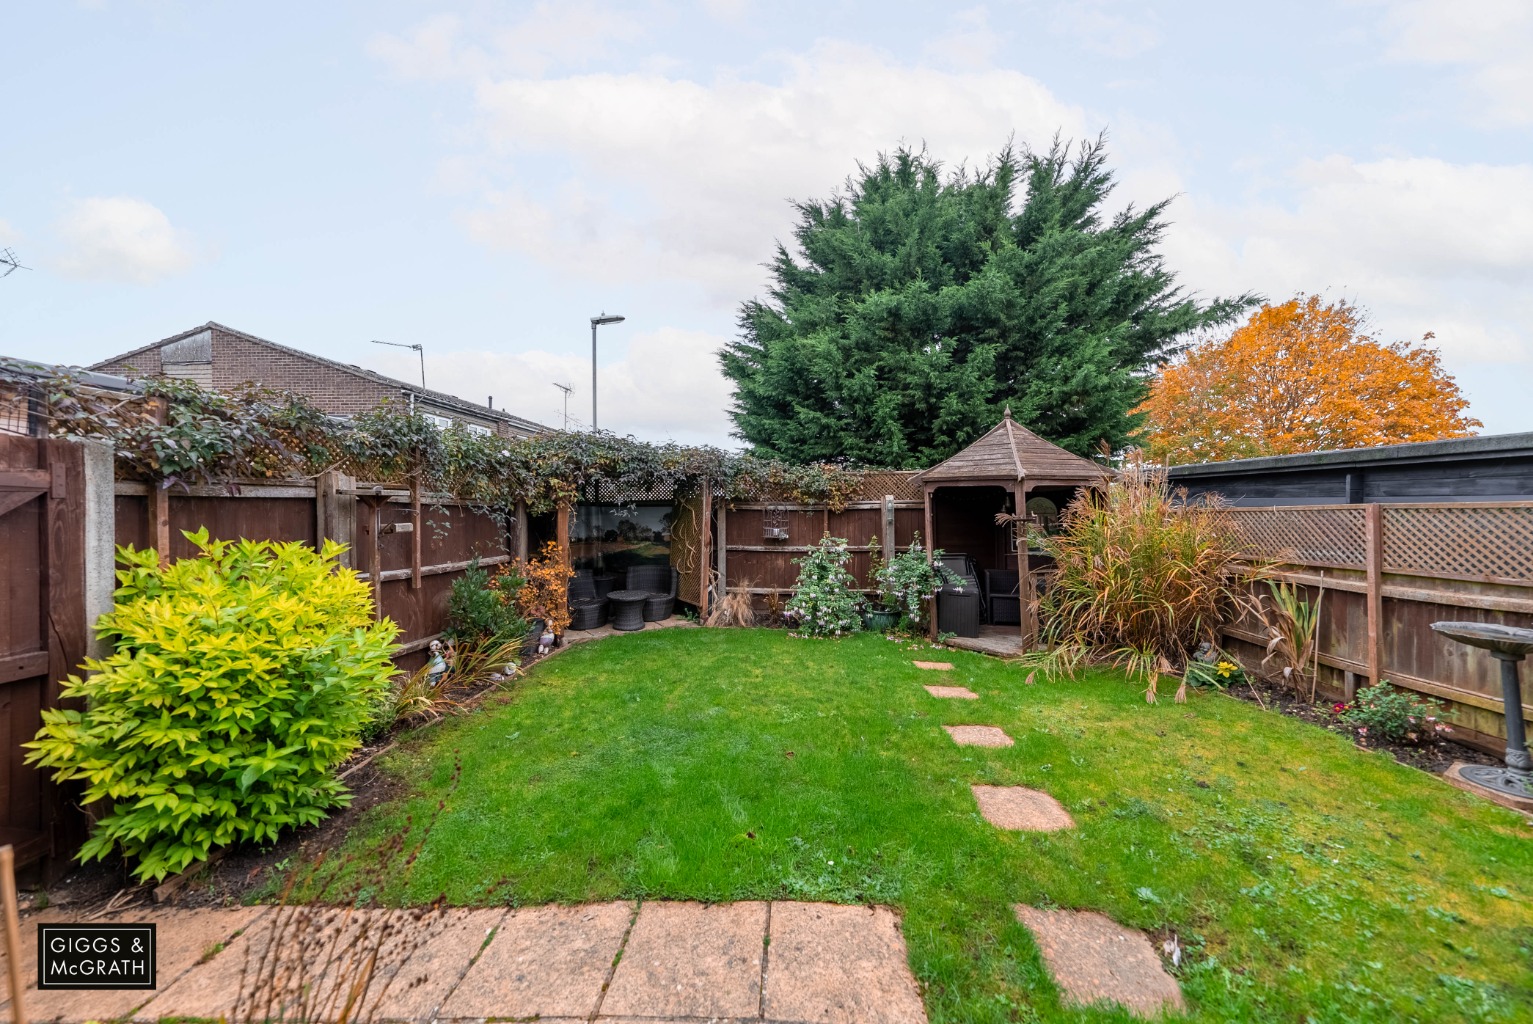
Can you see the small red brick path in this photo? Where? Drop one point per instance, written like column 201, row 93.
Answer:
column 787, row 962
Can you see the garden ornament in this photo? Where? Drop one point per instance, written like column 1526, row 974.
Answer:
column 436, row 667
column 1508, row 645
column 546, row 641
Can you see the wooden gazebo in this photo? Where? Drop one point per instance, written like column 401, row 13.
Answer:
column 1001, row 472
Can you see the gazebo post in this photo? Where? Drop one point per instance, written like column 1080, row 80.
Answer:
column 1027, row 621
column 931, row 609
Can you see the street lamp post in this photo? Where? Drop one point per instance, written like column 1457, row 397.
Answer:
column 597, row 321
column 417, row 348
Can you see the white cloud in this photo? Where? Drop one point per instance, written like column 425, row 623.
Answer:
column 121, row 239
column 563, row 35
column 727, row 11
column 1489, row 39
column 667, row 385
column 1425, row 244
column 689, row 180
column 1100, row 29
column 969, row 43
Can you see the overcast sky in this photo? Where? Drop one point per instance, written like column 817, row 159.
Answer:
column 483, row 178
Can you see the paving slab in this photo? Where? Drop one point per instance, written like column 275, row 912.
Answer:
column 182, row 937
column 1019, row 809
column 952, row 692
column 1094, row 959
column 28, row 929
column 284, row 965
column 543, row 961
column 413, row 987
column 691, row 960
column 832, row 964
column 934, row 666
column 978, row 736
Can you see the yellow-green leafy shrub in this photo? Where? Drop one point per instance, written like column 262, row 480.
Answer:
column 240, row 679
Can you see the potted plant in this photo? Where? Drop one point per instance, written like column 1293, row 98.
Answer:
column 906, row 581
column 883, row 612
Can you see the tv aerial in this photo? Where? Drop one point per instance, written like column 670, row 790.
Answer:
column 9, row 263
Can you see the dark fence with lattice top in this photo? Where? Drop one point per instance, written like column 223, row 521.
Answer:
column 1386, row 573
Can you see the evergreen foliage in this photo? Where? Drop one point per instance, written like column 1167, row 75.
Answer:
column 919, row 305
column 479, row 608
column 239, row 680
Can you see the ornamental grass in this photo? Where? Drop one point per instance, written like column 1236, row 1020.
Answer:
column 1142, row 578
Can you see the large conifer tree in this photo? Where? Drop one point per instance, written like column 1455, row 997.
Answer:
column 920, row 304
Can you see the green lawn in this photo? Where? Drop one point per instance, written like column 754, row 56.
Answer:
column 1307, row 879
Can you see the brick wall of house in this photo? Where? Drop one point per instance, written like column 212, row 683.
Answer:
column 142, row 364
column 237, row 359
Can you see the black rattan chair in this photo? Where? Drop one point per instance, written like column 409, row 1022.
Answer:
column 1004, row 590
column 660, row 582
column 587, row 611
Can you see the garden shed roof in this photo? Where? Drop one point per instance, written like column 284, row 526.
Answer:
column 1010, row 453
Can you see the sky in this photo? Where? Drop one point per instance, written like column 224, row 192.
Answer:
column 481, row 179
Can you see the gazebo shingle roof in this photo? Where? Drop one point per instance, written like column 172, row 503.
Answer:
column 1010, row 453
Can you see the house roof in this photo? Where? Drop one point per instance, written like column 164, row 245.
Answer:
column 37, row 371
column 1009, row 453
column 434, row 397
column 1449, row 449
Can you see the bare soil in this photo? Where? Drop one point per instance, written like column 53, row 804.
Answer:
column 1434, row 755
column 242, row 874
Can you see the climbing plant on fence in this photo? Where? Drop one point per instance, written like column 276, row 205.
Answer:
column 178, row 433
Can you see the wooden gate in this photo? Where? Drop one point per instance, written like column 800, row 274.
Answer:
column 42, row 633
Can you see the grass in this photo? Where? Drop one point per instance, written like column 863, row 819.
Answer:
column 1306, row 879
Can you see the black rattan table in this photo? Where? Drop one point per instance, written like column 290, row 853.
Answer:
column 627, row 609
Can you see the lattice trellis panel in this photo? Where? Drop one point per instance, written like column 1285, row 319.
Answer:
column 875, row 485
column 1304, row 536
column 1471, row 542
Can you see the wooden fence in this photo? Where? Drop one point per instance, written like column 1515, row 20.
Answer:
column 759, row 539
column 42, row 636
column 1387, row 572
column 409, row 546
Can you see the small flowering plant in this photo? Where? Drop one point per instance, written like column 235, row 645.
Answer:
column 907, row 580
column 825, row 601
column 1384, row 713
column 1215, row 669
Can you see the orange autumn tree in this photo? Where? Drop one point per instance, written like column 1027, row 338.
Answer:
column 1299, row 377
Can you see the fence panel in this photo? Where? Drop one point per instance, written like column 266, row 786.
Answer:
column 42, row 635
column 417, row 564
column 1431, row 563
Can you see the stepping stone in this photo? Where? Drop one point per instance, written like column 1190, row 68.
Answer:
column 839, row 965
column 691, row 960
column 959, row 692
column 1094, row 959
column 544, row 961
column 978, row 736
column 935, row 666
column 1019, row 809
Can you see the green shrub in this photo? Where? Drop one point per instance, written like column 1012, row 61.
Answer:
column 240, row 679
column 906, row 581
column 824, row 602
column 1397, row 716
column 479, row 609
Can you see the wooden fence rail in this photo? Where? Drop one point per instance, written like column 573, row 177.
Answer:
column 1388, row 572
column 407, row 544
